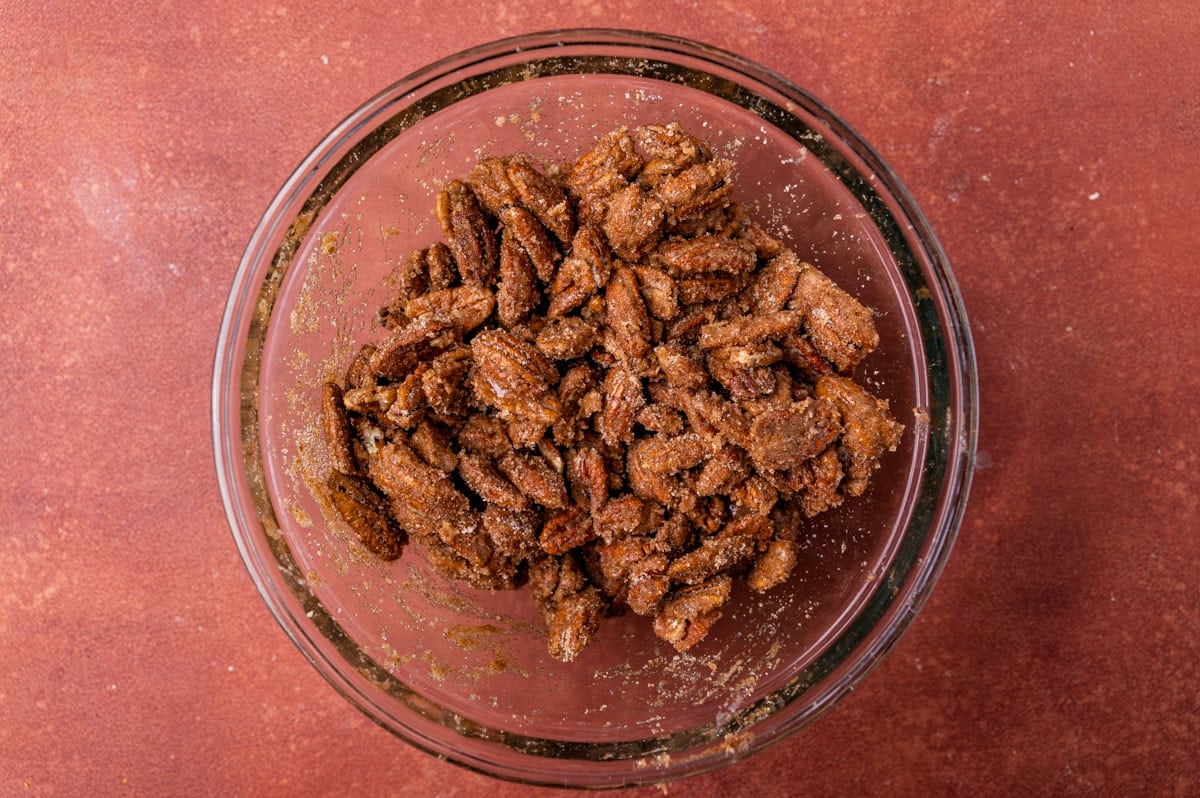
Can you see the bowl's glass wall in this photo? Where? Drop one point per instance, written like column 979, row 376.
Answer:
column 463, row 672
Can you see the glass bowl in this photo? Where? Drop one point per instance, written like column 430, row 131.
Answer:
column 463, row 673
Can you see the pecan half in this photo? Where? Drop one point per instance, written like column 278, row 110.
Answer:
column 365, row 511
column 468, row 233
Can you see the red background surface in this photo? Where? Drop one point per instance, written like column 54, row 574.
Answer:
column 1054, row 148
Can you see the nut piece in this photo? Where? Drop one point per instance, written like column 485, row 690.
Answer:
column 468, row 233
column 466, row 306
column 338, row 435
column 688, row 614
column 365, row 512
column 542, row 196
column 581, row 274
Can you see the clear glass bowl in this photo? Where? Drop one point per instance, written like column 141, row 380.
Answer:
column 463, row 673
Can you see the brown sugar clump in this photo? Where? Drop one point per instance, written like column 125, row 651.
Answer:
column 608, row 384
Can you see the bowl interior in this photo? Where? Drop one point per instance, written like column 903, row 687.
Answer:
column 422, row 654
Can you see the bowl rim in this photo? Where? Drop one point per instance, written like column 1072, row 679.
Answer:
column 230, row 422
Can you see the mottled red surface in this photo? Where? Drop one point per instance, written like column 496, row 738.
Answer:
column 1054, row 148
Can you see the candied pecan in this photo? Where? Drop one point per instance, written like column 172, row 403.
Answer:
column 627, row 319
column 566, row 530
column 406, row 409
column 633, row 221
column 573, row 621
column 525, row 432
column 444, row 382
column 566, row 339
column 685, row 328
column 418, row 340
column 464, row 306
column 601, row 172
column 742, row 383
column 514, row 378
column 669, row 150
column 587, row 475
column 708, row 411
column 820, row 480
column 647, row 585
column 661, row 488
column 468, row 233
column 424, row 502
column 753, row 496
column 432, row 442
column 525, row 229
column 660, row 419
column 800, row 352
column 365, row 511
column 616, row 559
column 674, row 535
column 498, row 574
column 517, row 292
column 338, row 435
column 573, row 391
column 358, row 373
column 712, row 287
column 659, row 292
column 439, row 263
column 765, row 245
column 736, row 332
column 730, row 550
column 785, row 439
column 751, row 355
column 686, row 616
column 513, row 533
column 623, row 516
column 707, row 253
column 772, row 286
column 623, row 398
column 484, row 435
column 581, row 274
column 773, row 566
column 721, row 472
column 840, row 327
column 681, row 370
column 542, row 195
column 489, row 181
column 670, row 455
column 535, row 478
column 489, row 484
column 697, row 188
column 869, row 429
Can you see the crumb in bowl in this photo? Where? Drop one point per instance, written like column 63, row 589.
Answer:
column 610, row 385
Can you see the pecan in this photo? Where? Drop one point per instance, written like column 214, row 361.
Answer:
column 772, row 286
column 681, row 370
column 484, row 435
column 820, row 480
column 420, row 339
column 633, row 222
column 514, row 378
column 736, row 332
column 490, row 184
column 669, row 150
column 489, row 484
column 338, row 435
column 573, row 621
column 624, row 516
column 773, row 566
column 432, row 442
column 660, row 419
column 542, row 196
column 512, row 533
column 358, row 373
column 468, row 233
column 424, row 502
column 444, row 382
column 623, row 398
column 697, row 188
column 731, row 550
column 525, row 229
column 742, row 383
column 765, row 245
column 721, row 472
column 535, row 478
column 707, row 253
column 785, row 439
column 627, row 319
column 647, row 585
column 659, row 292
column 365, row 511
column 566, row 530
column 711, row 287
column 840, row 327
column 517, row 292
column 573, row 391
column 869, row 429
column 601, row 172
column 408, row 403
column 566, row 339
column 588, row 477
column 753, row 496
column 665, row 455
column 496, row 574
column 686, row 616
column 464, row 306
column 581, row 274
column 648, row 484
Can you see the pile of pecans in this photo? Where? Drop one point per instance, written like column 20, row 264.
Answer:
column 608, row 383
